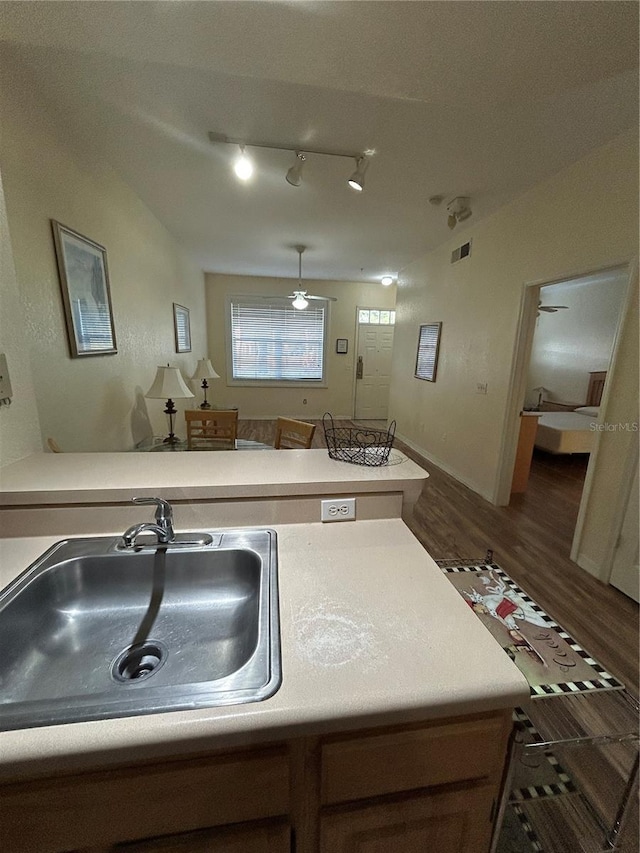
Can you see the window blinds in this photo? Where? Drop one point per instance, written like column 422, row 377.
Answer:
column 270, row 340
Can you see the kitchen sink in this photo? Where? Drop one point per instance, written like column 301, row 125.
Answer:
column 93, row 630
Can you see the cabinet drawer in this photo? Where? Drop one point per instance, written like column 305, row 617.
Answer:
column 160, row 799
column 406, row 759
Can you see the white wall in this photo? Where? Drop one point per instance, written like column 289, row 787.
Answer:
column 584, row 218
column 571, row 343
column 254, row 402
column 19, row 424
column 92, row 403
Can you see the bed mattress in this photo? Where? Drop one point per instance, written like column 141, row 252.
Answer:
column 565, row 432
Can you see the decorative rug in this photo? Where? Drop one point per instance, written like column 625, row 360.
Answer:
column 553, row 663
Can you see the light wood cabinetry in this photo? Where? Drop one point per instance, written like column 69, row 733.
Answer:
column 402, row 788
column 274, row 837
column 446, row 823
column 524, row 452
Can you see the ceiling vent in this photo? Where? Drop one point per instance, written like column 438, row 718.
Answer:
column 461, row 252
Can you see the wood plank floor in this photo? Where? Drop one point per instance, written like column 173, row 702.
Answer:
column 531, row 541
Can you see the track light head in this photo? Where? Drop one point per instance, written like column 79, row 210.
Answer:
column 243, row 167
column 294, row 175
column 356, row 181
column 458, row 210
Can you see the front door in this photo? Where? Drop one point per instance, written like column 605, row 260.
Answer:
column 373, row 376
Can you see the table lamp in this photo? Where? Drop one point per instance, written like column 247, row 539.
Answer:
column 204, row 371
column 169, row 385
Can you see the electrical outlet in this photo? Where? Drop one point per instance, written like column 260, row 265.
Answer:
column 338, row 509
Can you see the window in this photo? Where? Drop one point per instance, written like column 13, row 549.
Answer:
column 376, row 317
column 271, row 341
column 427, row 356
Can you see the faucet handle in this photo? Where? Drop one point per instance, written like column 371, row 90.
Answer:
column 164, row 511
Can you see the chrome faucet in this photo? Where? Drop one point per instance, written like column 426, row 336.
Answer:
column 163, row 527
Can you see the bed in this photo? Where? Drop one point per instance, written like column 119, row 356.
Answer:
column 572, row 431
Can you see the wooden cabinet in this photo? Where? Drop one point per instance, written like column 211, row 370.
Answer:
column 427, row 786
column 274, row 837
column 524, row 452
column 446, row 823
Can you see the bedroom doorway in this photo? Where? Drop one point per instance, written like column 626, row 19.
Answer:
column 568, row 367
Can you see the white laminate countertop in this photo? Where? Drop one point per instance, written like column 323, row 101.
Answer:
column 59, row 478
column 372, row 633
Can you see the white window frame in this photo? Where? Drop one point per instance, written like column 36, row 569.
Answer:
column 278, row 301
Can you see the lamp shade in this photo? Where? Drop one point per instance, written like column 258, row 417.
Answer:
column 168, row 384
column 205, row 370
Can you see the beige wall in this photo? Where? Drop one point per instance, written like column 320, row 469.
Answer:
column 19, row 425
column 337, row 397
column 93, row 403
column 584, row 218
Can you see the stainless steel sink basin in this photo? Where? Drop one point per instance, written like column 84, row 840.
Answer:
column 92, row 631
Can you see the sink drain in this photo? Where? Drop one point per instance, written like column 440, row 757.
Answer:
column 139, row 661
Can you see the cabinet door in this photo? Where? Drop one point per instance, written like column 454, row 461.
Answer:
column 242, row 838
column 446, row 823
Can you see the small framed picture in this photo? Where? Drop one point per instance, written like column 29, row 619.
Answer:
column 342, row 345
column 84, row 283
column 182, row 328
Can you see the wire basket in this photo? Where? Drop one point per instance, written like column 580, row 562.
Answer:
column 356, row 445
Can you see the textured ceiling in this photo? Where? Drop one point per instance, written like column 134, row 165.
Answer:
column 482, row 99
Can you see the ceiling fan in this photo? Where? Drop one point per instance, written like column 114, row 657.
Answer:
column 549, row 309
column 300, row 298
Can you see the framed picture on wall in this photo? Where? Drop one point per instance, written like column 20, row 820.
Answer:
column 84, row 284
column 428, row 348
column 342, row 345
column 182, row 328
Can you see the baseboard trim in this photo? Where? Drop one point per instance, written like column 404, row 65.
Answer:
column 444, row 467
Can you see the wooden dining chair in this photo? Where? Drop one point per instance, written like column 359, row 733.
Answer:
column 53, row 446
column 292, row 434
column 211, row 429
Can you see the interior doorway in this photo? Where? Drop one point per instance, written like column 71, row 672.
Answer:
column 374, row 350
column 559, row 380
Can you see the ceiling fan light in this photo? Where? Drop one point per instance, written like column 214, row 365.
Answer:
column 243, row 167
column 356, row 181
column 294, row 175
column 299, row 302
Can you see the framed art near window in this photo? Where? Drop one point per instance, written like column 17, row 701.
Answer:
column 182, row 328
column 84, row 283
column 427, row 356
column 342, row 345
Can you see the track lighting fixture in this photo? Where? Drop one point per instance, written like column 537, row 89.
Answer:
column 243, row 166
column 294, row 175
column 458, row 210
column 356, row 181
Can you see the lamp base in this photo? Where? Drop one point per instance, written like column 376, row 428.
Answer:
column 205, row 405
column 171, row 439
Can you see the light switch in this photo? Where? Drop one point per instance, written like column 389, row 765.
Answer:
column 5, row 383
